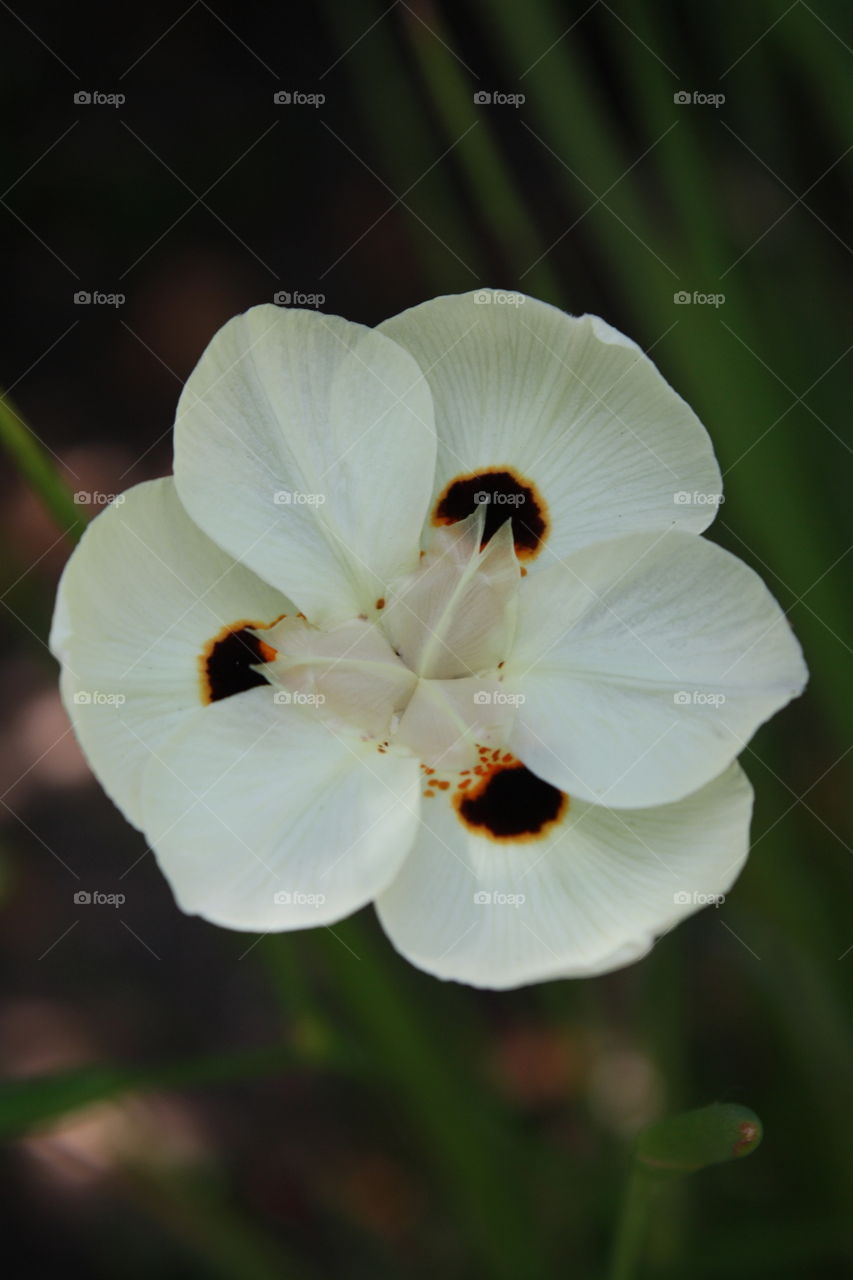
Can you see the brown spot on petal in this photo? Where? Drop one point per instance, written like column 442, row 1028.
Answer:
column 506, row 495
column 227, row 662
column 509, row 803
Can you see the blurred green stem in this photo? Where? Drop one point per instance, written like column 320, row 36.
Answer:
column 640, row 1190
column 473, row 1151
column 32, row 459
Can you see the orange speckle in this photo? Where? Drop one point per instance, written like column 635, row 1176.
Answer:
column 380, row 603
column 267, row 652
column 441, row 783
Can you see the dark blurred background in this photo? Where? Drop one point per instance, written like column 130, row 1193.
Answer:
column 392, row 1125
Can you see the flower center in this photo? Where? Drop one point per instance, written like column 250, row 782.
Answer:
column 424, row 675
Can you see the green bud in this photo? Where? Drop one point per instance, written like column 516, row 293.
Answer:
column 695, row 1139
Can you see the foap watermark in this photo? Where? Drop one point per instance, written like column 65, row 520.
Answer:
column 698, row 698
column 295, row 298
column 488, row 898
column 293, row 498
column 95, row 98
column 497, row 98
column 684, row 298
column 294, row 698
column 83, row 298
column 297, row 98
column 684, row 898
column 498, row 698
column 484, row 496
column 83, row 898
column 94, row 498
column 95, row 698
column 693, row 498
column 696, row 98
column 498, row 297
column 286, row 898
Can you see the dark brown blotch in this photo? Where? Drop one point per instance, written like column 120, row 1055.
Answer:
column 506, row 495
column 511, row 803
column 228, row 662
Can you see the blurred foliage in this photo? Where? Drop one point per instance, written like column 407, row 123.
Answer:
column 473, row 1133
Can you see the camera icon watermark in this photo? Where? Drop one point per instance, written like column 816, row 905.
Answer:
column 295, row 298
column 695, row 899
column 686, row 98
column 294, row 698
column 94, row 498
column 683, row 298
column 498, row 297
column 496, row 98
column 498, row 698
column 296, row 98
column 484, row 496
column 698, row 698
column 293, row 498
column 94, row 98
column 83, row 298
column 489, row 898
column 94, row 698
column 83, row 898
column 688, row 498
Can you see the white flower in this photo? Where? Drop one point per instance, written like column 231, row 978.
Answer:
column 424, row 618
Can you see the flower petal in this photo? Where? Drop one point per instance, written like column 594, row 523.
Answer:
column 304, row 445
column 589, row 897
column 454, row 616
column 571, row 406
column 646, row 664
column 140, row 599
column 263, row 818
